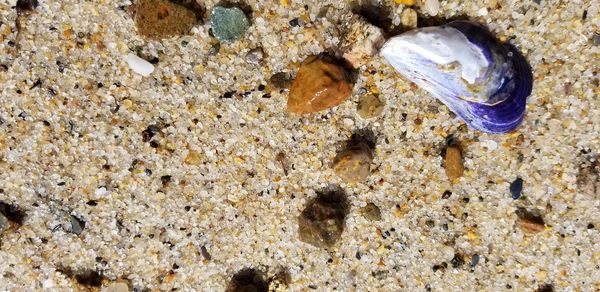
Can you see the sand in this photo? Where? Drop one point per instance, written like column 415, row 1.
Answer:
column 208, row 194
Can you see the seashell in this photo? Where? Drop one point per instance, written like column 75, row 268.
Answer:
column 483, row 81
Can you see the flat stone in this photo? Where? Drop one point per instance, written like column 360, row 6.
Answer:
column 321, row 83
column 453, row 163
column 160, row 19
column 353, row 164
column 228, row 23
column 369, row 106
column 322, row 221
column 361, row 40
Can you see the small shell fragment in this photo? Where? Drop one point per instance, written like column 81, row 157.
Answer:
column 139, row 65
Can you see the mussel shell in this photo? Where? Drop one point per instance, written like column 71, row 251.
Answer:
column 495, row 102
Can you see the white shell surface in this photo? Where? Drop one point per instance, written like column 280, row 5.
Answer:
column 139, row 65
column 441, row 45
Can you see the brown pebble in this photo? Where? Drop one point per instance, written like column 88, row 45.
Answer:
column 371, row 212
column 321, row 83
column 193, row 158
column 281, row 80
column 354, row 163
column 369, row 106
column 529, row 221
column 453, row 163
column 322, row 221
column 160, row 19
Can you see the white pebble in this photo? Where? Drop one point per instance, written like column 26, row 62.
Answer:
column 139, row 65
column 348, row 122
column 100, row 192
column 482, row 12
column 431, row 7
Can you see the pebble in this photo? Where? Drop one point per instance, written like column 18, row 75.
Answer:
column 281, row 80
column 369, row 106
column 247, row 280
column 139, row 65
column 596, row 39
column 321, row 223
column 361, row 40
column 3, row 223
column 228, row 23
column 25, row 5
column 588, row 180
column 353, row 164
column 431, row 7
column 321, row 83
column 214, row 49
column 117, row 286
column 453, row 163
column 474, row 260
column 77, row 225
column 371, row 212
column 530, row 222
column 193, row 158
column 254, row 56
column 405, row 2
column 516, row 187
column 409, row 17
column 160, row 19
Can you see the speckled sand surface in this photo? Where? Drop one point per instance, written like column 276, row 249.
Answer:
column 76, row 139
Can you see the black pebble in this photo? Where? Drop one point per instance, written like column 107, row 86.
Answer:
column 12, row 213
column 294, row 22
column 457, row 261
column 24, row 5
column 446, row 194
column 165, row 179
column 228, row 94
column 516, row 187
column 89, row 278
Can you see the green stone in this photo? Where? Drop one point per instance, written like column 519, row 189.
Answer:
column 228, row 23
